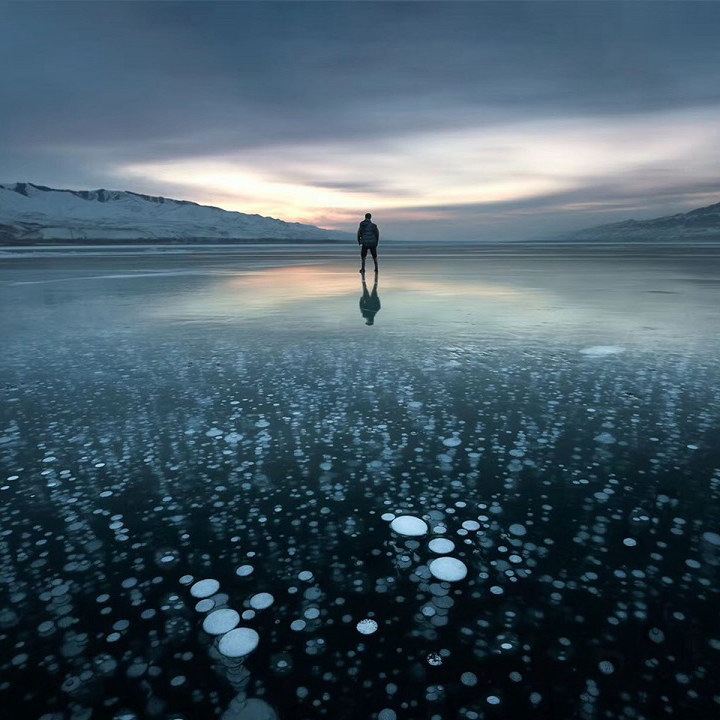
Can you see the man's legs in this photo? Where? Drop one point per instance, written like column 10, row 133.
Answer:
column 363, row 255
column 373, row 250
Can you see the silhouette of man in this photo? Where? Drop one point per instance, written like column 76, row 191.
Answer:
column 368, row 237
column 369, row 302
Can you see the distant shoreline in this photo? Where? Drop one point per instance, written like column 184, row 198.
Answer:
column 397, row 248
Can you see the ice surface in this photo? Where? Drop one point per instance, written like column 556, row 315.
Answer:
column 115, row 500
column 602, row 350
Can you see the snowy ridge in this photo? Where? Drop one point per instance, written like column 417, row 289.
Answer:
column 30, row 213
column 700, row 224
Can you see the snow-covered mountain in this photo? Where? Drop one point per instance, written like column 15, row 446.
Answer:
column 34, row 213
column 700, row 224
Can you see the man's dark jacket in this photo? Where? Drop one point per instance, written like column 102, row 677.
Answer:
column 368, row 233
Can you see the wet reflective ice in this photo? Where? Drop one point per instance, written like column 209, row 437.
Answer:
column 225, row 494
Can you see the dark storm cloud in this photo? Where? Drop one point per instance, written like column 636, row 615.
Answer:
column 215, row 76
column 88, row 86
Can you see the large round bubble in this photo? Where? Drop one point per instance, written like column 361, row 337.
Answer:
column 204, row 588
column 238, row 642
column 221, row 621
column 409, row 525
column 448, row 569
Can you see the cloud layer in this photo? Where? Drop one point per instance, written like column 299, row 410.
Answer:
column 448, row 120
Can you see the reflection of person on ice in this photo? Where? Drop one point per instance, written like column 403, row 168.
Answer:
column 369, row 302
column 368, row 237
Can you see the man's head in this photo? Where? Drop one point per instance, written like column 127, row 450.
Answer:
column 368, row 216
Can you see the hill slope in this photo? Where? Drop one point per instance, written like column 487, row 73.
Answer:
column 34, row 213
column 700, row 224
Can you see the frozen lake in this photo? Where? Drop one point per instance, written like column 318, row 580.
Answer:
column 499, row 499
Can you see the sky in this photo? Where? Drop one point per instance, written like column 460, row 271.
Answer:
column 447, row 120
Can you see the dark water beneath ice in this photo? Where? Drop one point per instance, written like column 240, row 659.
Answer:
column 171, row 417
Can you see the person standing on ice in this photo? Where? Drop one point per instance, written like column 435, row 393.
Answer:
column 368, row 237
